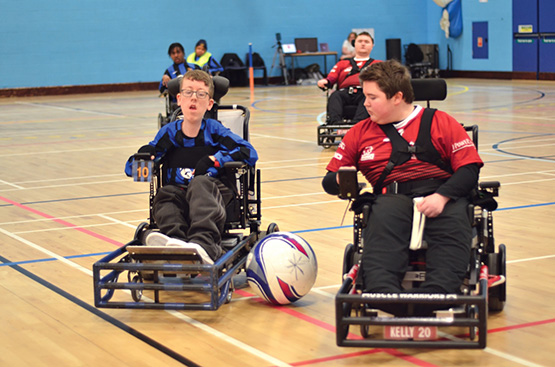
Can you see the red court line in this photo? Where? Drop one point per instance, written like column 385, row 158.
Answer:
column 520, row 326
column 63, row 222
column 331, row 328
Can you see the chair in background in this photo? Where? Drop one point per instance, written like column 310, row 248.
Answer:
column 258, row 64
column 234, row 70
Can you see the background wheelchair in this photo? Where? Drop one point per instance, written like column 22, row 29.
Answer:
column 424, row 90
column 331, row 134
column 463, row 323
column 172, row 277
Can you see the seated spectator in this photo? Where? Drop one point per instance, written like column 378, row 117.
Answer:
column 348, row 48
column 204, row 59
column 345, row 74
column 179, row 67
column 443, row 177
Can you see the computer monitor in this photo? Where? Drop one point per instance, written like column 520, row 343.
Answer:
column 306, row 44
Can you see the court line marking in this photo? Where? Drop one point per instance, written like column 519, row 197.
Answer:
column 207, row 328
column 72, row 109
column 191, row 321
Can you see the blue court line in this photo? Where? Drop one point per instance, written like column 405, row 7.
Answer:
column 104, row 316
column 299, row 231
column 52, row 259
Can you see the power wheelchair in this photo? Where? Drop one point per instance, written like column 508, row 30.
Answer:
column 173, row 277
column 424, row 90
column 462, row 317
column 330, row 134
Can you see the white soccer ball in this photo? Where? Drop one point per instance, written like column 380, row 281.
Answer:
column 282, row 268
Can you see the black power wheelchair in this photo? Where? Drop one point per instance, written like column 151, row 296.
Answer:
column 330, row 134
column 173, row 277
column 461, row 322
column 424, row 90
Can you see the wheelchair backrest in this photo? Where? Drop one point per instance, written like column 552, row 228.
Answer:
column 432, row 89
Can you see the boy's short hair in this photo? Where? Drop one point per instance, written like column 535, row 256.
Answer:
column 174, row 45
column 391, row 77
column 200, row 76
column 364, row 33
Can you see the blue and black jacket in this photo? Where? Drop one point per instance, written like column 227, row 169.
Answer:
column 182, row 153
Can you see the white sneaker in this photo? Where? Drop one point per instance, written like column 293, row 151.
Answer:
column 157, row 239
column 193, row 246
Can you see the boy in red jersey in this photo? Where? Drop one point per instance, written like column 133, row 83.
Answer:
column 345, row 74
column 443, row 176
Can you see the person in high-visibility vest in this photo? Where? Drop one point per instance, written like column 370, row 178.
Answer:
column 204, row 59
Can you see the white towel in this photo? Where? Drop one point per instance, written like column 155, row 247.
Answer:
column 418, row 220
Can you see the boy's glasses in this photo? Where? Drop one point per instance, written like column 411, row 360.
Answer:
column 189, row 93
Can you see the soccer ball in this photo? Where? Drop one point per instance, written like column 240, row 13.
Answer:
column 282, row 268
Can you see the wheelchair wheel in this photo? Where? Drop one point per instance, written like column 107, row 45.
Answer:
column 137, row 294
column 347, row 259
column 365, row 328
column 343, row 331
column 160, row 120
column 497, row 266
column 273, row 227
column 472, row 312
column 139, row 231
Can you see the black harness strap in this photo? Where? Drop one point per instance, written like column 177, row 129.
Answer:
column 354, row 67
column 401, row 151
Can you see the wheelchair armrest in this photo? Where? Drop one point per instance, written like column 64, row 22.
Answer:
column 234, row 165
column 490, row 186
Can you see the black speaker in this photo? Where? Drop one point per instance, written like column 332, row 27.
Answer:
column 393, row 48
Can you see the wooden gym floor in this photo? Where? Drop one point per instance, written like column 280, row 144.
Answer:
column 65, row 201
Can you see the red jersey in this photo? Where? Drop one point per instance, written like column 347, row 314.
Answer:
column 339, row 74
column 367, row 147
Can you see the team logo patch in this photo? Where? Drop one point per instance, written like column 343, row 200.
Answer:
column 342, row 145
column 186, row 173
column 367, row 154
column 466, row 143
column 338, row 156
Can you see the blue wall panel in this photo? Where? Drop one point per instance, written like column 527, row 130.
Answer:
column 68, row 42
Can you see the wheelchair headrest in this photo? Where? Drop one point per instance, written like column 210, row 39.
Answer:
column 221, row 86
column 429, row 89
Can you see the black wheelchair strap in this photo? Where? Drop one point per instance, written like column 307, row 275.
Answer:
column 401, row 151
column 354, row 67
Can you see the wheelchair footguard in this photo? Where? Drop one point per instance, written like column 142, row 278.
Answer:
column 169, row 278
column 331, row 135
column 463, row 326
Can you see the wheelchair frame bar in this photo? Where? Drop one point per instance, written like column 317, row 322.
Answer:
column 215, row 279
column 345, row 302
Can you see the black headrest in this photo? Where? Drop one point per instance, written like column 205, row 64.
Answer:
column 432, row 89
column 221, row 86
column 174, row 85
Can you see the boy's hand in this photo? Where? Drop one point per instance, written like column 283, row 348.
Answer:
column 204, row 164
column 432, row 205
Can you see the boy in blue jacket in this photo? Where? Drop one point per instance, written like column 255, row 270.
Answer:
column 190, row 209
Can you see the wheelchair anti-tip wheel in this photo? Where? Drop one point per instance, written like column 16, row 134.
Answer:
column 137, row 294
column 497, row 266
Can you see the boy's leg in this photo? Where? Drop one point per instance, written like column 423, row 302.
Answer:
column 386, row 242
column 449, row 238
column 170, row 211
column 207, row 197
column 335, row 107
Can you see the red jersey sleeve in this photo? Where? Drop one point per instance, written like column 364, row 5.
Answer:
column 453, row 142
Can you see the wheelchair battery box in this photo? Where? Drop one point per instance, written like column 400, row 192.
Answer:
column 348, row 183
column 142, row 167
